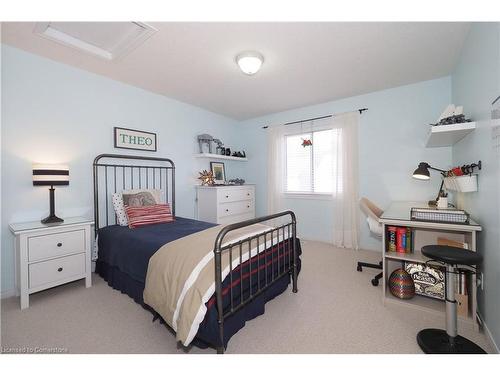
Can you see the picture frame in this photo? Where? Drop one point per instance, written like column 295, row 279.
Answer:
column 219, row 172
column 133, row 139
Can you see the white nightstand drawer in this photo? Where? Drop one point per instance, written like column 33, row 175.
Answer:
column 52, row 271
column 232, row 195
column 236, row 208
column 57, row 244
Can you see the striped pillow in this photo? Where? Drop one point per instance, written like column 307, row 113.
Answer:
column 145, row 215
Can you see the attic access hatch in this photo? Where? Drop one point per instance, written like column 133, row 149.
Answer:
column 107, row 40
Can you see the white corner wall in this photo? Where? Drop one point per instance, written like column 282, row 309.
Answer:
column 475, row 84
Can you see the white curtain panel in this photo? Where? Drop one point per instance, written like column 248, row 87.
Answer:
column 345, row 192
column 275, row 168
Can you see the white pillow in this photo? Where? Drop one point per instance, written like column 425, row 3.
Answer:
column 119, row 207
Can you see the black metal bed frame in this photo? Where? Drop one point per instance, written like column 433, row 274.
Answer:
column 154, row 180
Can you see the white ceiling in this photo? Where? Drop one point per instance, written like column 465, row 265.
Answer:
column 305, row 63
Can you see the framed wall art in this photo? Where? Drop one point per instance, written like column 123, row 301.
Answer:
column 134, row 139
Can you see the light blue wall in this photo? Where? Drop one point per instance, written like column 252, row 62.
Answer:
column 52, row 112
column 391, row 143
column 475, row 84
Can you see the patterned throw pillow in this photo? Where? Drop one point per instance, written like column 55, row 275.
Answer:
column 121, row 215
column 119, row 206
column 146, row 215
column 144, row 198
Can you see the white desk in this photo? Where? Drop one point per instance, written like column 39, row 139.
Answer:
column 425, row 233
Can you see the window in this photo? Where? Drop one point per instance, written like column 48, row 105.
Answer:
column 312, row 169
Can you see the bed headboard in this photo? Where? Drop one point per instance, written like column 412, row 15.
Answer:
column 114, row 173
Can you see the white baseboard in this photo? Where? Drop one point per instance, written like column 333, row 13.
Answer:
column 489, row 336
column 8, row 293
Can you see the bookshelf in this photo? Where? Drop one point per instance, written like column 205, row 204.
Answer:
column 425, row 233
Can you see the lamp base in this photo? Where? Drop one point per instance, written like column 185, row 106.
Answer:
column 52, row 219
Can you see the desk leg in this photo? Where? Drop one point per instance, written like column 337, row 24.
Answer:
column 384, row 263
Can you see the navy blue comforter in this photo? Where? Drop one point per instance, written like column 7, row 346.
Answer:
column 123, row 261
column 129, row 250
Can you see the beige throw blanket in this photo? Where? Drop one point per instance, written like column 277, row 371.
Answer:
column 181, row 275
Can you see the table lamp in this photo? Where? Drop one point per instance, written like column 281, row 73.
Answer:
column 51, row 175
column 422, row 173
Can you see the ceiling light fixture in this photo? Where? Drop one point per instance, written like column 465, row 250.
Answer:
column 249, row 62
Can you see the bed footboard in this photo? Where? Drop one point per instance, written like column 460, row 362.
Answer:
column 277, row 259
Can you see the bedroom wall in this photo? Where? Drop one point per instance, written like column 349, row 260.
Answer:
column 391, row 143
column 52, row 112
column 475, row 84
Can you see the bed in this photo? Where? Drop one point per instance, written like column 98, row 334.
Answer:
column 245, row 264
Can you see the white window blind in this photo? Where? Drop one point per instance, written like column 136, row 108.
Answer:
column 312, row 169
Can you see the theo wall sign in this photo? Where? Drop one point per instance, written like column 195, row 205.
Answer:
column 134, row 139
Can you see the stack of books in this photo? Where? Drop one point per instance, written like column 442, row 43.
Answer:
column 400, row 239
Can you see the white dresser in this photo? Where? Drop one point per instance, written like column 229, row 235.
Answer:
column 226, row 204
column 48, row 255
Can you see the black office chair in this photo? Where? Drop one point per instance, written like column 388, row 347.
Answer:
column 373, row 214
column 438, row 341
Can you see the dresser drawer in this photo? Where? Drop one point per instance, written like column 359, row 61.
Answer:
column 236, row 208
column 232, row 195
column 57, row 244
column 52, row 271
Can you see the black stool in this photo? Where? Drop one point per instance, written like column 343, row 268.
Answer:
column 438, row 341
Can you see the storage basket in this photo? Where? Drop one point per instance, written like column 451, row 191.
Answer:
column 463, row 184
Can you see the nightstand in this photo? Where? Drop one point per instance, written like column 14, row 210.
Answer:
column 48, row 255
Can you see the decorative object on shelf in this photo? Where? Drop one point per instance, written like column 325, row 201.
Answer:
column 205, row 142
column 218, row 172
column 134, row 139
column 236, row 181
column 401, row 284
column 429, row 280
column 228, row 151
column 452, row 115
column 239, row 154
column 219, row 150
column 51, row 175
column 206, row 178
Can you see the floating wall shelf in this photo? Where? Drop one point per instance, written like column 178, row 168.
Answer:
column 219, row 157
column 448, row 135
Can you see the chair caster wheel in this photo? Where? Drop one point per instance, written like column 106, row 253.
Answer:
column 360, row 269
column 374, row 282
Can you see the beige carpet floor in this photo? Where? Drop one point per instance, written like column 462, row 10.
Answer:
column 337, row 310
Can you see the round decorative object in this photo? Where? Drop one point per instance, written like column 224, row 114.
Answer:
column 401, row 284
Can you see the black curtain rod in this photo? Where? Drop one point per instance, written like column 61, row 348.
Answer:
column 361, row 110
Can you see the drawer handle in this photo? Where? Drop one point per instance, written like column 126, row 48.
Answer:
column 248, row 206
column 59, row 269
column 227, row 210
column 248, row 194
column 59, row 244
column 227, row 196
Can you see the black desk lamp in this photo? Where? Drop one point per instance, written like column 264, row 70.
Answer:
column 51, row 175
column 422, row 173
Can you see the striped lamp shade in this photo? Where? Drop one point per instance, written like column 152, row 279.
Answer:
column 50, row 174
